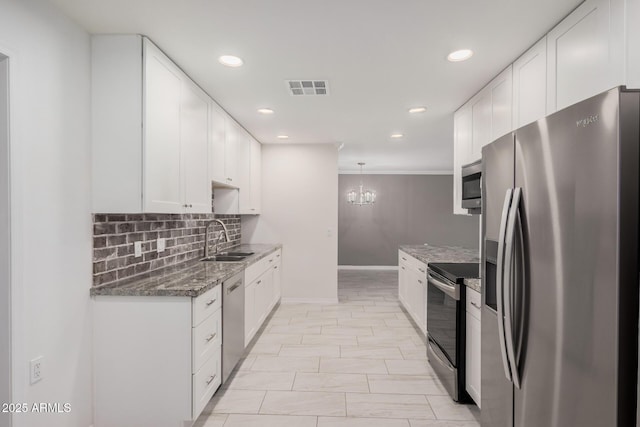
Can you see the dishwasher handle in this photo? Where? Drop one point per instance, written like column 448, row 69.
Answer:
column 233, row 287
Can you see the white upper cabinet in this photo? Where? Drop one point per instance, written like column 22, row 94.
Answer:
column 217, row 140
column 149, row 131
column 462, row 152
column 481, row 123
column 234, row 133
column 530, row 85
column 485, row 117
column 161, row 123
column 501, row 105
column 491, row 113
column 194, row 142
column 632, row 37
column 585, row 53
column 249, row 172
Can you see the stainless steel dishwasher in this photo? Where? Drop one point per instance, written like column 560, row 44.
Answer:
column 232, row 323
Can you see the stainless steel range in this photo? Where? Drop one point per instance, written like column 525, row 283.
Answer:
column 446, row 335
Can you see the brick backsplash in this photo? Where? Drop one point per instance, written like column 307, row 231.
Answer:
column 115, row 234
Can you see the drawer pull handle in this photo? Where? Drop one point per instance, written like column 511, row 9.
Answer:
column 258, row 282
column 271, row 260
column 404, row 258
column 211, row 301
column 403, row 268
column 475, row 305
column 421, row 270
column 211, row 378
column 420, row 281
column 278, row 256
column 275, row 268
column 210, row 337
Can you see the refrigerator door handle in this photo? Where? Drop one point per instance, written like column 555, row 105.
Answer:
column 500, row 282
column 514, row 217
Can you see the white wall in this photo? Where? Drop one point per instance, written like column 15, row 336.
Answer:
column 51, row 222
column 300, row 210
column 5, row 296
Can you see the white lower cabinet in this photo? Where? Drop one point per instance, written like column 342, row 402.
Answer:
column 157, row 358
column 473, row 349
column 262, row 292
column 412, row 282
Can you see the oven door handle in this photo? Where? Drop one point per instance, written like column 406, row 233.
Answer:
column 452, row 290
column 500, row 282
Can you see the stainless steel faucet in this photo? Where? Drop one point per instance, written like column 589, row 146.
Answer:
column 206, row 236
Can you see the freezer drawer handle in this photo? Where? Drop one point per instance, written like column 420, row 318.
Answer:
column 500, row 282
column 451, row 290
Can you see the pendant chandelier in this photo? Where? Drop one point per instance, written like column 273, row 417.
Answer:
column 361, row 197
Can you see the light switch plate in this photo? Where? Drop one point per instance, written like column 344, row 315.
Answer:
column 161, row 244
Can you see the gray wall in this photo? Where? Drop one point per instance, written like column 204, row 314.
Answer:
column 409, row 209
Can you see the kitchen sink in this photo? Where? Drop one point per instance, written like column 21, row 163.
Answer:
column 224, row 258
column 228, row 256
column 242, row 254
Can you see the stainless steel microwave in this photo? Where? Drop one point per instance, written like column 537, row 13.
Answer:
column 472, row 187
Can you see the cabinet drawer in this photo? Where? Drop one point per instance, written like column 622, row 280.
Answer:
column 205, row 382
column 256, row 269
column 407, row 260
column 421, row 268
column 205, row 305
column 206, row 339
column 474, row 302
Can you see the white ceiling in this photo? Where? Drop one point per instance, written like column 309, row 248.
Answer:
column 380, row 57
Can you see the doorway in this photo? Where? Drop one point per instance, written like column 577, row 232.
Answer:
column 5, row 244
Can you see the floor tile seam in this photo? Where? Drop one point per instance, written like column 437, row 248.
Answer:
column 262, row 401
column 375, row 417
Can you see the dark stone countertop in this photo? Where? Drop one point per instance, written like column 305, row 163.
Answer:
column 188, row 279
column 432, row 253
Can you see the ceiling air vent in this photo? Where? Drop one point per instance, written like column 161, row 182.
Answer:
column 308, row 87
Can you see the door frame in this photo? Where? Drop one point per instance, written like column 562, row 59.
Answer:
column 7, row 261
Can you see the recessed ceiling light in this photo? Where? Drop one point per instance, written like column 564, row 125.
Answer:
column 460, row 55
column 230, row 61
column 396, row 135
column 283, row 136
column 416, row 110
column 265, row 111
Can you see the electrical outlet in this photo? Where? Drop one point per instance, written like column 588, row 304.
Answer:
column 137, row 249
column 161, row 244
column 35, row 370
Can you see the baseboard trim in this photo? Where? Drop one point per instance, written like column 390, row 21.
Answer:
column 309, row 301
column 367, row 267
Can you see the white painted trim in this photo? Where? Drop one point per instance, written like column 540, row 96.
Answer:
column 16, row 292
column 5, row 251
column 285, row 301
column 367, row 267
column 374, row 172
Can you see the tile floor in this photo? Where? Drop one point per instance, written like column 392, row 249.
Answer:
column 359, row 363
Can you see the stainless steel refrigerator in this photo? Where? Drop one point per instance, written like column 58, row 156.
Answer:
column 560, row 268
